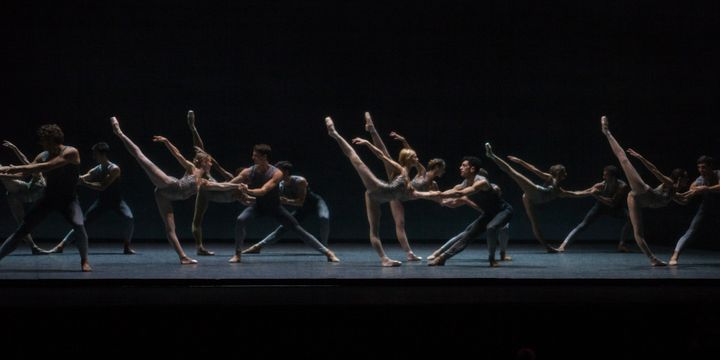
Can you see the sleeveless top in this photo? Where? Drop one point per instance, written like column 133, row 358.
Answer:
column 291, row 189
column 487, row 200
column 257, row 179
column 61, row 182
column 113, row 192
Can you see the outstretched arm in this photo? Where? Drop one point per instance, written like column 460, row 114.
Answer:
column 667, row 181
column 420, row 168
column 187, row 165
column 577, row 193
column 269, row 185
column 103, row 184
column 387, row 160
column 17, row 152
column 541, row 174
column 69, row 156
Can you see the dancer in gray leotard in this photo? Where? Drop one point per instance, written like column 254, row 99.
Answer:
column 611, row 195
column 104, row 178
column 378, row 191
column 707, row 186
column 261, row 182
column 168, row 188
column 295, row 192
column 424, row 180
column 205, row 196
column 59, row 164
column 534, row 194
column 641, row 194
column 22, row 193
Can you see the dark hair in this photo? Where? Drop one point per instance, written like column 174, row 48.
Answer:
column 263, row 149
column 474, row 162
column 557, row 169
column 101, row 147
column 707, row 160
column 285, row 166
column 613, row 170
column 51, row 132
column 436, row 164
column 678, row 173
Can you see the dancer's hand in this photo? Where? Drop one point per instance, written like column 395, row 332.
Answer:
column 397, row 136
column 9, row 145
column 243, row 187
column 633, row 153
column 158, row 138
column 369, row 125
column 360, row 141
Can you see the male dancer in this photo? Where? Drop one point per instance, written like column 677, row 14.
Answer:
column 105, row 178
column 294, row 191
column 706, row 185
column 59, row 163
column 261, row 182
column 496, row 213
column 610, row 194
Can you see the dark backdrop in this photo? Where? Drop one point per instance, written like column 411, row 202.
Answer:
column 533, row 78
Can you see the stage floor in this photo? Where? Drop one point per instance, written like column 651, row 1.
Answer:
column 157, row 261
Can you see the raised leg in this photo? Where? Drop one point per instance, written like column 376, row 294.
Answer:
column 636, row 182
column 527, row 186
column 369, row 180
column 157, row 176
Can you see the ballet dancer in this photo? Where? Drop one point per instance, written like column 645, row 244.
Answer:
column 495, row 212
column 706, row 185
column 295, row 192
column 22, row 192
column 641, row 194
column 611, row 195
column 59, row 163
column 105, row 178
column 424, row 180
column 534, row 194
column 260, row 181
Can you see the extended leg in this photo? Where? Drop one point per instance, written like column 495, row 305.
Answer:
column 590, row 218
column 157, row 176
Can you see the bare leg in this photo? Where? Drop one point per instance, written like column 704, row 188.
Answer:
column 197, row 141
column 369, row 180
column 201, row 205
column 530, row 210
column 398, row 213
column 378, row 142
column 373, row 214
column 638, row 226
column 157, row 176
column 527, row 186
column 166, row 212
column 636, row 182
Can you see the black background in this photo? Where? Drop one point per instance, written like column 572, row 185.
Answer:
column 531, row 77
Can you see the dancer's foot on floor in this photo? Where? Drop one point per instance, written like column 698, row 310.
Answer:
column 202, row 251
column 255, row 249
column 505, row 257
column 552, row 250
column 56, row 250
column 184, row 260
column 85, row 266
column 331, row 257
column 127, row 250
column 493, row 263
column 624, row 249
column 36, row 250
column 235, row 259
column 388, row 262
column 657, row 262
column 412, row 257
column 438, row 261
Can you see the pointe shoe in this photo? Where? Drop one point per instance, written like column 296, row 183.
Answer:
column 255, row 249
column 36, row 250
column 488, row 150
column 493, row 263
column 128, row 251
column 191, row 118
column 187, row 261
column 235, row 259
column 604, row 125
column 413, row 257
column 388, row 262
column 85, row 267
column 438, row 261
column 657, row 262
column 330, row 126
column 115, row 125
column 332, row 258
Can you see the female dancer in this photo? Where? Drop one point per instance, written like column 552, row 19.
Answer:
column 206, row 195
column 378, row 191
column 424, row 180
column 641, row 194
column 168, row 188
column 534, row 194
column 21, row 192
